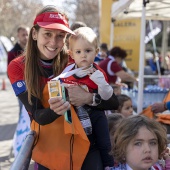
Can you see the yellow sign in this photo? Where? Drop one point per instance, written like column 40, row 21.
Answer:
column 105, row 20
column 127, row 35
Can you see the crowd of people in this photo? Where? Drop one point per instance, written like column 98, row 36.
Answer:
column 94, row 127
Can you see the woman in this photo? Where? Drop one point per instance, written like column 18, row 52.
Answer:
column 113, row 67
column 59, row 145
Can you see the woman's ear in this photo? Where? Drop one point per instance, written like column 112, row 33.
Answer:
column 34, row 34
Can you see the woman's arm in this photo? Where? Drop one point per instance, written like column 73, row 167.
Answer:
column 111, row 104
column 43, row 115
column 36, row 111
column 125, row 76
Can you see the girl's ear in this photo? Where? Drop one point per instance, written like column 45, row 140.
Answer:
column 34, row 34
column 70, row 53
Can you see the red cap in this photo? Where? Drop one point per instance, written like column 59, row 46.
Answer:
column 53, row 20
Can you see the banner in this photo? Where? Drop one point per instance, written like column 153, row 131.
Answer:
column 127, row 36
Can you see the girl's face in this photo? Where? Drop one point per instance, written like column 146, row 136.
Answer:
column 83, row 52
column 142, row 151
column 127, row 108
column 50, row 42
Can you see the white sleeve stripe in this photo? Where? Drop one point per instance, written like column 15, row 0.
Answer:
column 109, row 70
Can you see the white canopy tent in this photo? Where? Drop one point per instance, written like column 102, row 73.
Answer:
column 144, row 9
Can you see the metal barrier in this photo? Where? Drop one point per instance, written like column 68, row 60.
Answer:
column 23, row 158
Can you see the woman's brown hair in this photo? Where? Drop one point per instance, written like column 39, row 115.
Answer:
column 33, row 68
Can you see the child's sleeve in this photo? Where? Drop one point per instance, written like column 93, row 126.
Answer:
column 104, row 89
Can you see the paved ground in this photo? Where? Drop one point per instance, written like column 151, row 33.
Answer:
column 9, row 111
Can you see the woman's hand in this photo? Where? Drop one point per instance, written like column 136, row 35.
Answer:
column 58, row 105
column 78, row 96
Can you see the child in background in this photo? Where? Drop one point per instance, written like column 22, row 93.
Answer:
column 83, row 47
column 125, row 105
column 138, row 142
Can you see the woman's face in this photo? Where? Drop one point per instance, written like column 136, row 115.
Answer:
column 49, row 42
column 118, row 60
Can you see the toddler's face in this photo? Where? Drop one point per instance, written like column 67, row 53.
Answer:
column 142, row 151
column 83, row 52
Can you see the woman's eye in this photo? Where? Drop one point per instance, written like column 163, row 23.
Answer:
column 61, row 36
column 48, row 34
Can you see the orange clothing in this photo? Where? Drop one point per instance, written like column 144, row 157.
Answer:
column 54, row 152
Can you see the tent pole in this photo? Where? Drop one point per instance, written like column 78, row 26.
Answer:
column 141, row 60
column 164, row 45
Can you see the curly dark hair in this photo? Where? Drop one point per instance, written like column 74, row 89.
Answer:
column 118, row 52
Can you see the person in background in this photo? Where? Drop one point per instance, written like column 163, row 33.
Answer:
column 77, row 24
column 58, row 144
column 148, row 69
column 83, row 47
column 125, row 105
column 18, row 49
column 160, row 107
column 73, row 27
column 22, row 38
column 113, row 68
column 103, row 53
column 138, row 143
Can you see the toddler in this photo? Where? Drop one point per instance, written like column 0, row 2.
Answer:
column 83, row 47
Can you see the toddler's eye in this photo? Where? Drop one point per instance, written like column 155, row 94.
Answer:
column 88, row 51
column 78, row 52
